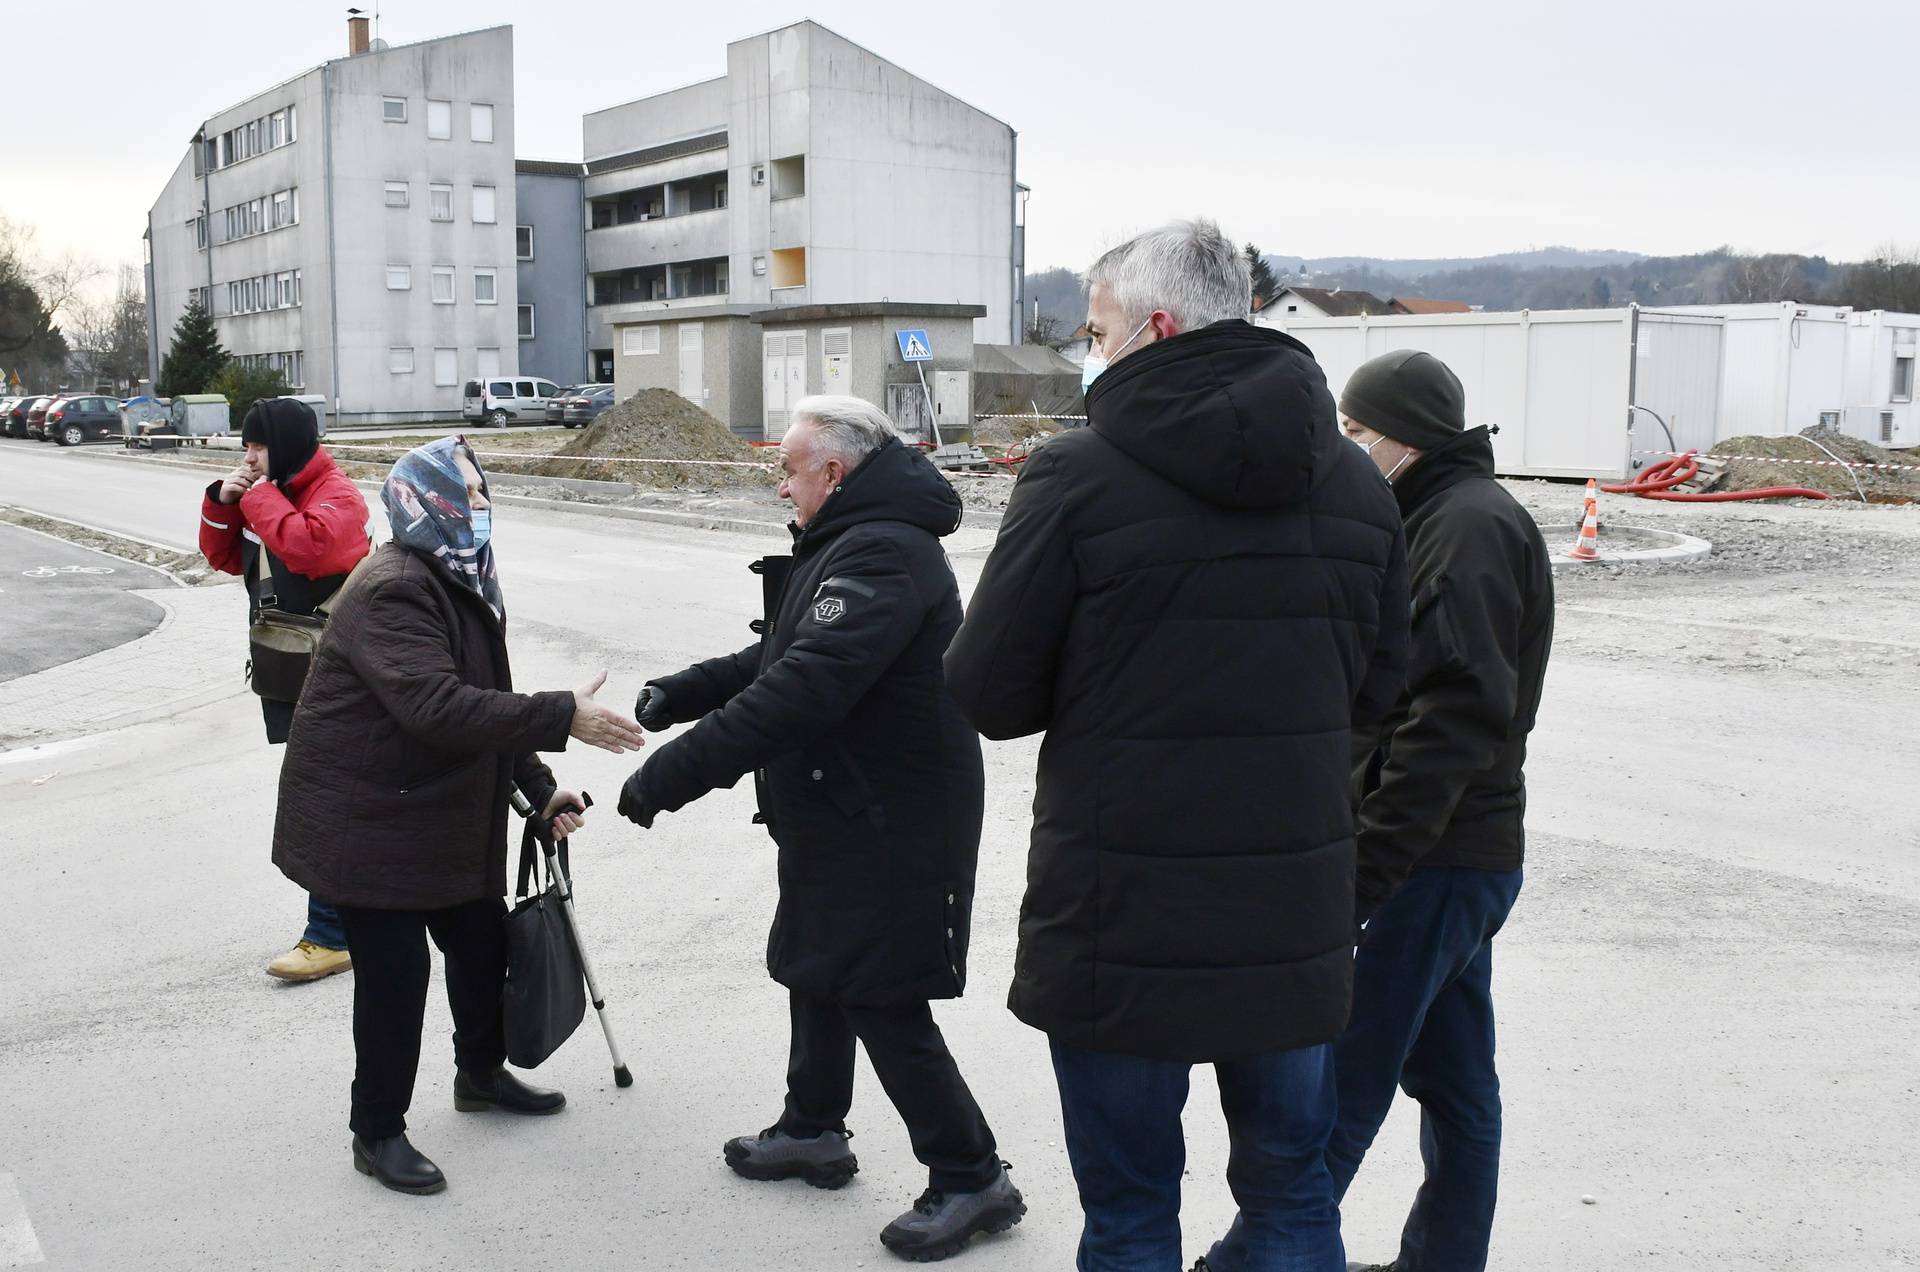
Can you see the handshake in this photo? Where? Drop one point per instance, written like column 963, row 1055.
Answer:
column 650, row 711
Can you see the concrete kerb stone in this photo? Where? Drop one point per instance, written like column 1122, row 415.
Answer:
column 1669, row 548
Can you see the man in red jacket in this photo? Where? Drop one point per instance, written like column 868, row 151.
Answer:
column 292, row 525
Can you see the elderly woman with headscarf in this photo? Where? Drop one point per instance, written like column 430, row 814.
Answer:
column 394, row 798
column 292, row 525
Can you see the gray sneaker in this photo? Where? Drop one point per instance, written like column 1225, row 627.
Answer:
column 824, row 1161
column 940, row 1224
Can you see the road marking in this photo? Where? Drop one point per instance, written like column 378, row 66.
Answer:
column 54, row 571
column 18, row 1246
column 1784, row 632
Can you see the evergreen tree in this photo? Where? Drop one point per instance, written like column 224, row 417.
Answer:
column 243, row 385
column 1265, row 285
column 195, row 357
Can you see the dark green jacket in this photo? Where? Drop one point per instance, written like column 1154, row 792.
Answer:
column 1440, row 781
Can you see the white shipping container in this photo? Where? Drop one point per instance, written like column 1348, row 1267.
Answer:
column 1559, row 385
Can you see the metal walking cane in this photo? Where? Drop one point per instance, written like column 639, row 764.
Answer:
column 543, row 831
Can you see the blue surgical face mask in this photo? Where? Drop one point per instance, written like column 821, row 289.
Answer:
column 1095, row 364
column 482, row 526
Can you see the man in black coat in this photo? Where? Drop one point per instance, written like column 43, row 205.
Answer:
column 1442, row 799
column 870, row 782
column 1195, row 598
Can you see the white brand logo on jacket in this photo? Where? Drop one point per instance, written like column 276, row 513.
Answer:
column 829, row 610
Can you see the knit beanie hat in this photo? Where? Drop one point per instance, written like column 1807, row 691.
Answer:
column 287, row 429
column 1409, row 396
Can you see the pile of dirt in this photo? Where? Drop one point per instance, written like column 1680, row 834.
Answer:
column 1755, row 462
column 658, row 424
column 1010, row 434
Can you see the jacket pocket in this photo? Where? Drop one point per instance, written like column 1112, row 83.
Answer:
column 1437, row 647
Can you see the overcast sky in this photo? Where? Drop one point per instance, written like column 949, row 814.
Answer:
column 1381, row 128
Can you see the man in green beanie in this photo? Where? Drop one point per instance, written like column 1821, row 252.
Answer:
column 1441, row 800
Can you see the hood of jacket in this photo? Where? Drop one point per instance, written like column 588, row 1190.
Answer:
column 894, row 483
column 1236, row 414
column 1465, row 455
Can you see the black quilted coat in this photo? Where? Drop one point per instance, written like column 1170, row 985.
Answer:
column 1196, row 598
column 393, row 794
column 867, row 776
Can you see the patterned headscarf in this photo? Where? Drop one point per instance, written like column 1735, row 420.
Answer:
column 426, row 499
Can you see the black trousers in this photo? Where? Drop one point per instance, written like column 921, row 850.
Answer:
column 390, row 968
column 949, row 1133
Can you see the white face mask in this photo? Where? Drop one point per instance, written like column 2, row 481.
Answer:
column 1096, row 364
column 1368, row 448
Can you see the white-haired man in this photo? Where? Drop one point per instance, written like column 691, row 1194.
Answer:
column 871, row 783
column 1195, row 597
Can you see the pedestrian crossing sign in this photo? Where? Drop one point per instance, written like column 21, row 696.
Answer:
column 914, row 346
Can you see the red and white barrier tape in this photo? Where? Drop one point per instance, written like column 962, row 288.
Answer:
column 1809, row 463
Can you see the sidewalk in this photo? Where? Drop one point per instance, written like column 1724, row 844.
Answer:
column 197, row 654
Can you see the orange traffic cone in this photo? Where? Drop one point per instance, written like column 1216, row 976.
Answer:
column 1587, row 547
column 1593, row 499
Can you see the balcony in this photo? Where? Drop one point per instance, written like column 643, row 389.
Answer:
column 659, row 286
column 642, row 244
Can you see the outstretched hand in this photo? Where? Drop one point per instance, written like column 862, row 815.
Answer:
column 633, row 803
column 602, row 726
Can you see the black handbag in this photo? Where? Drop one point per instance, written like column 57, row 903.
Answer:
column 546, row 996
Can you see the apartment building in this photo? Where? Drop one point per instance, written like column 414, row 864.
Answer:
column 356, row 227
column 812, row 173
column 550, row 259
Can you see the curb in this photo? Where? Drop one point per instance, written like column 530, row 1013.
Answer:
column 1684, row 548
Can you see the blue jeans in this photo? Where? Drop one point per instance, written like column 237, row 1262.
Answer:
column 323, row 925
column 1423, row 1023
column 1122, row 1116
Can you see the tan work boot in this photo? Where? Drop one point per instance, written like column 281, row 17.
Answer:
column 307, row 962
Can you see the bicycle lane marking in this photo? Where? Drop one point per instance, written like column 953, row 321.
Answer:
column 19, row 1247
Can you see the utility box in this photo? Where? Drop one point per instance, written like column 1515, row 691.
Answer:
column 953, row 401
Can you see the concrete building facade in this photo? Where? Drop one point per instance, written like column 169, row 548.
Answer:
column 354, row 226
column 813, row 173
column 551, row 264
column 748, row 367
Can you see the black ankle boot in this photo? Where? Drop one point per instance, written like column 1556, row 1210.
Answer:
column 476, row 1093
column 397, row 1164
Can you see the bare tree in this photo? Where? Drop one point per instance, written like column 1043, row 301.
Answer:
column 109, row 336
column 1044, row 329
column 33, row 292
column 1751, row 279
column 1889, row 280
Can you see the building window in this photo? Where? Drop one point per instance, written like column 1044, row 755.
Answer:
column 443, row 284
column 199, row 224
column 286, row 209
column 399, row 278
column 790, row 267
column 439, row 120
column 487, row 365
column 790, row 177
column 400, row 361
column 484, row 287
column 523, row 242
column 440, row 202
column 480, row 122
column 1903, row 378
column 396, row 194
column 526, row 322
column 636, row 341
column 446, row 367
column 483, row 205
column 393, row 109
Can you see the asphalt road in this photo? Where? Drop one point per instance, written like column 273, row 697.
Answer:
column 1706, row 993
column 59, row 602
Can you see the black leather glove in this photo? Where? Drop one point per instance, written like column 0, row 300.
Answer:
column 650, row 709
column 633, row 803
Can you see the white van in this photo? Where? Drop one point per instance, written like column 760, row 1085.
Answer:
column 498, row 403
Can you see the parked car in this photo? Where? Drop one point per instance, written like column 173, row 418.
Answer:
column 82, row 418
column 17, row 412
column 557, row 404
column 499, row 403
column 37, row 417
column 6, row 408
column 583, row 407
